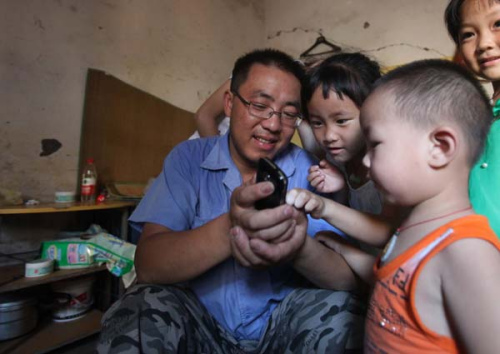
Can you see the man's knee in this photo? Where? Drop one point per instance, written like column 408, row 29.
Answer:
column 145, row 313
column 325, row 320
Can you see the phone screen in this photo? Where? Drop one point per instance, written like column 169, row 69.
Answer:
column 268, row 171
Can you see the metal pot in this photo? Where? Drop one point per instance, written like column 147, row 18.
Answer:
column 18, row 315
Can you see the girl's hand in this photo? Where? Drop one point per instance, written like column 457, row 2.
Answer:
column 325, row 177
column 304, row 199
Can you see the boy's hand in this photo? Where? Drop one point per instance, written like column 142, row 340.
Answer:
column 304, row 199
column 325, row 177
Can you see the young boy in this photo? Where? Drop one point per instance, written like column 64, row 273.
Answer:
column 436, row 284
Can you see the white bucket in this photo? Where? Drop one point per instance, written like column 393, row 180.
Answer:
column 72, row 298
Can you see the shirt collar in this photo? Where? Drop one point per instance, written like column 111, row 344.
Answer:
column 219, row 158
column 286, row 160
column 496, row 109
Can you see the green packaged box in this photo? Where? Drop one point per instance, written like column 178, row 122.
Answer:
column 69, row 253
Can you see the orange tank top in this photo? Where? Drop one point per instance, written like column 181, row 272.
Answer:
column 393, row 324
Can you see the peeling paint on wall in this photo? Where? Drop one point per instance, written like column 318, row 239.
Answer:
column 393, row 31
column 176, row 50
column 409, row 45
column 293, row 30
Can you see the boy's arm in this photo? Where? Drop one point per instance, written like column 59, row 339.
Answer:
column 471, row 291
column 362, row 226
column 359, row 261
column 209, row 114
column 325, row 268
column 369, row 228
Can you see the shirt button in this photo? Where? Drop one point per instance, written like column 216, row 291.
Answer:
column 484, row 165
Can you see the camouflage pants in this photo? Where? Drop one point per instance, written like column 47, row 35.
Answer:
column 170, row 319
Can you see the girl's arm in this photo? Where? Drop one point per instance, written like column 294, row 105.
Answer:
column 308, row 140
column 211, row 112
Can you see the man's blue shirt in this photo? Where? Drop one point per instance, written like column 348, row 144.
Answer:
column 194, row 188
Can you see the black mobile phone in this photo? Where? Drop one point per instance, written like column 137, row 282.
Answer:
column 268, row 171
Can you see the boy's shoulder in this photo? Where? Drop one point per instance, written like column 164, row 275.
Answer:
column 471, row 239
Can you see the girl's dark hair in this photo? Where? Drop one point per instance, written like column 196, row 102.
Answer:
column 453, row 18
column 350, row 74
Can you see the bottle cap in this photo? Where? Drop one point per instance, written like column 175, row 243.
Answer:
column 90, row 160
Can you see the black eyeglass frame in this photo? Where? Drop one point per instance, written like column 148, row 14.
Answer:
column 294, row 119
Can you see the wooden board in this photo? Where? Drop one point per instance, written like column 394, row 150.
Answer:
column 64, row 207
column 12, row 277
column 50, row 335
column 127, row 131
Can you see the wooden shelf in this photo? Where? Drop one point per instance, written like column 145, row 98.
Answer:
column 64, row 208
column 12, row 277
column 49, row 335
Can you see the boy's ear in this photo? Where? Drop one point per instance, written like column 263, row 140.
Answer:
column 444, row 146
column 228, row 103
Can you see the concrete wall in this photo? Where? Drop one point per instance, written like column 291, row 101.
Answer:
column 177, row 50
column 392, row 31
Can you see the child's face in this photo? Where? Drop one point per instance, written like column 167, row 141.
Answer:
column 335, row 124
column 480, row 37
column 395, row 151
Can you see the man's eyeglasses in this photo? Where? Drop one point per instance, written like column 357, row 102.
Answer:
column 290, row 118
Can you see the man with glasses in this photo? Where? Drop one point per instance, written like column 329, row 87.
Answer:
column 216, row 292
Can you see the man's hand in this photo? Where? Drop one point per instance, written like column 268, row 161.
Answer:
column 325, row 177
column 272, row 225
column 284, row 251
column 304, row 199
column 260, row 229
column 242, row 252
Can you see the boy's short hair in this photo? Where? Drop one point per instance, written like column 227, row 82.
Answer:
column 267, row 57
column 433, row 91
column 453, row 18
column 350, row 74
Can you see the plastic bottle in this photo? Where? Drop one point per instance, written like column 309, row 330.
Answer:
column 89, row 182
